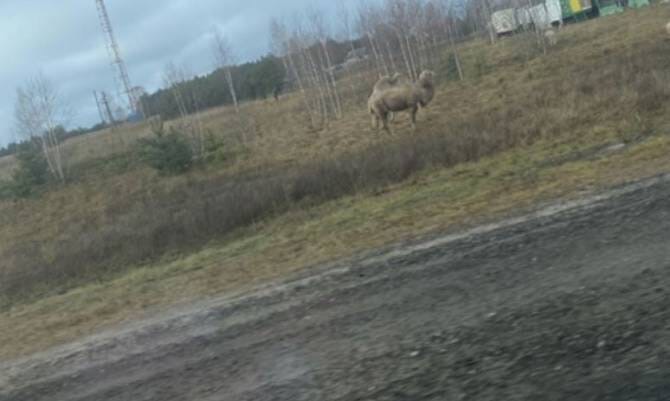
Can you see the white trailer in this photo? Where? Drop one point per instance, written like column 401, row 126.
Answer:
column 545, row 14
column 541, row 15
column 504, row 21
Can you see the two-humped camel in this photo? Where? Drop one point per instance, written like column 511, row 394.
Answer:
column 396, row 93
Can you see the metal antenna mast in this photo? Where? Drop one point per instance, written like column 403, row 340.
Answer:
column 115, row 55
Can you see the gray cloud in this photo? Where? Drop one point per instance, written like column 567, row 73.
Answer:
column 62, row 39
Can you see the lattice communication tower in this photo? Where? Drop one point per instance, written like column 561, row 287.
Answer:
column 119, row 66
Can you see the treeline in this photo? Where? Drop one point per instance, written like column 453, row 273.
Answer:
column 10, row 149
column 61, row 134
column 253, row 80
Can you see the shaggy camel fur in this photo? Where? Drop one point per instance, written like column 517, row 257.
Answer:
column 387, row 82
column 391, row 94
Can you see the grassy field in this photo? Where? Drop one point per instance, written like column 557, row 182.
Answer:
column 521, row 129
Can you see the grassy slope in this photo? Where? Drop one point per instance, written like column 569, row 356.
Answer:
column 561, row 161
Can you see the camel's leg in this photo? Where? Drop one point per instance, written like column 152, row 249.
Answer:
column 385, row 122
column 413, row 112
column 375, row 121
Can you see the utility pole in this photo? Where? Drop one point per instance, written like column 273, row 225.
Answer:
column 100, row 111
column 108, row 109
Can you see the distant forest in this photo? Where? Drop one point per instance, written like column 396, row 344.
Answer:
column 253, row 80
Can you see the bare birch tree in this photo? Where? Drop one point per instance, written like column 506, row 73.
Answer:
column 225, row 59
column 305, row 44
column 368, row 21
column 187, row 104
column 39, row 111
column 285, row 45
column 447, row 10
column 344, row 17
column 399, row 19
column 321, row 35
column 488, row 11
column 173, row 78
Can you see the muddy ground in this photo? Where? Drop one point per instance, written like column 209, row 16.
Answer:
column 574, row 305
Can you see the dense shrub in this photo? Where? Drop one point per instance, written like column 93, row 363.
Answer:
column 168, row 153
column 32, row 170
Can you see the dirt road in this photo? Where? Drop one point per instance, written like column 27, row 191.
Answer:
column 571, row 305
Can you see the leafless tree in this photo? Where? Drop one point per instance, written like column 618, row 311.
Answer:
column 487, row 10
column 399, row 19
column 326, row 66
column 344, row 17
column 369, row 21
column 447, row 9
column 305, row 52
column 477, row 15
column 187, row 103
column 173, row 79
column 300, row 44
column 225, row 58
column 285, row 47
column 39, row 111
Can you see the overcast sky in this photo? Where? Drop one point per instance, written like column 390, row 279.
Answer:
column 63, row 40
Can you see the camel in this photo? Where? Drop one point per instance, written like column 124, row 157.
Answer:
column 394, row 94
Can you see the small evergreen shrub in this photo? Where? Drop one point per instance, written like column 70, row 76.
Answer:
column 168, row 153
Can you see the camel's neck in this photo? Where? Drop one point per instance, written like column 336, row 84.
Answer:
column 427, row 95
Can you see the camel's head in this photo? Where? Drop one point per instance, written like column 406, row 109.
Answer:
column 426, row 79
column 427, row 84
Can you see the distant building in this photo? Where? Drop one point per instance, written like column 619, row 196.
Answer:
column 544, row 14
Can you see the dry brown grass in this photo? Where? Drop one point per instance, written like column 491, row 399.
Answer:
column 604, row 83
column 434, row 202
